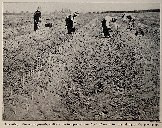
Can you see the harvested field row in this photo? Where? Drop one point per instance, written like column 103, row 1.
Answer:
column 49, row 75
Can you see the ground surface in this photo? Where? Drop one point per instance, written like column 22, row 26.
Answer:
column 50, row 75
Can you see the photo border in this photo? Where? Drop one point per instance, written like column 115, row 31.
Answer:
column 79, row 123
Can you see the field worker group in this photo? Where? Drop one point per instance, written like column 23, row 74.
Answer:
column 109, row 24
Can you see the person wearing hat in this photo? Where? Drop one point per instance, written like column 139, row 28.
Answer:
column 139, row 29
column 69, row 24
column 37, row 15
column 106, row 27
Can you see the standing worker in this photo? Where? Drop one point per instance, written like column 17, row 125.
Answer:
column 105, row 30
column 37, row 15
column 69, row 24
column 106, row 27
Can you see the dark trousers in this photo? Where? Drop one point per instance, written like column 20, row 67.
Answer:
column 70, row 29
column 106, row 31
column 35, row 26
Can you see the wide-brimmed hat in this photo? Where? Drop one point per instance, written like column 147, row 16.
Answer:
column 38, row 8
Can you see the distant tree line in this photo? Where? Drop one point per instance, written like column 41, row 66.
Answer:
column 16, row 13
column 134, row 11
column 66, row 10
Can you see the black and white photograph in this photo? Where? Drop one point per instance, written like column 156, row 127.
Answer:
column 81, row 61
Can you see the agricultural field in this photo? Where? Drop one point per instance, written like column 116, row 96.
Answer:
column 50, row 75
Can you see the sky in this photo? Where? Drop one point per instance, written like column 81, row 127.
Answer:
column 80, row 7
